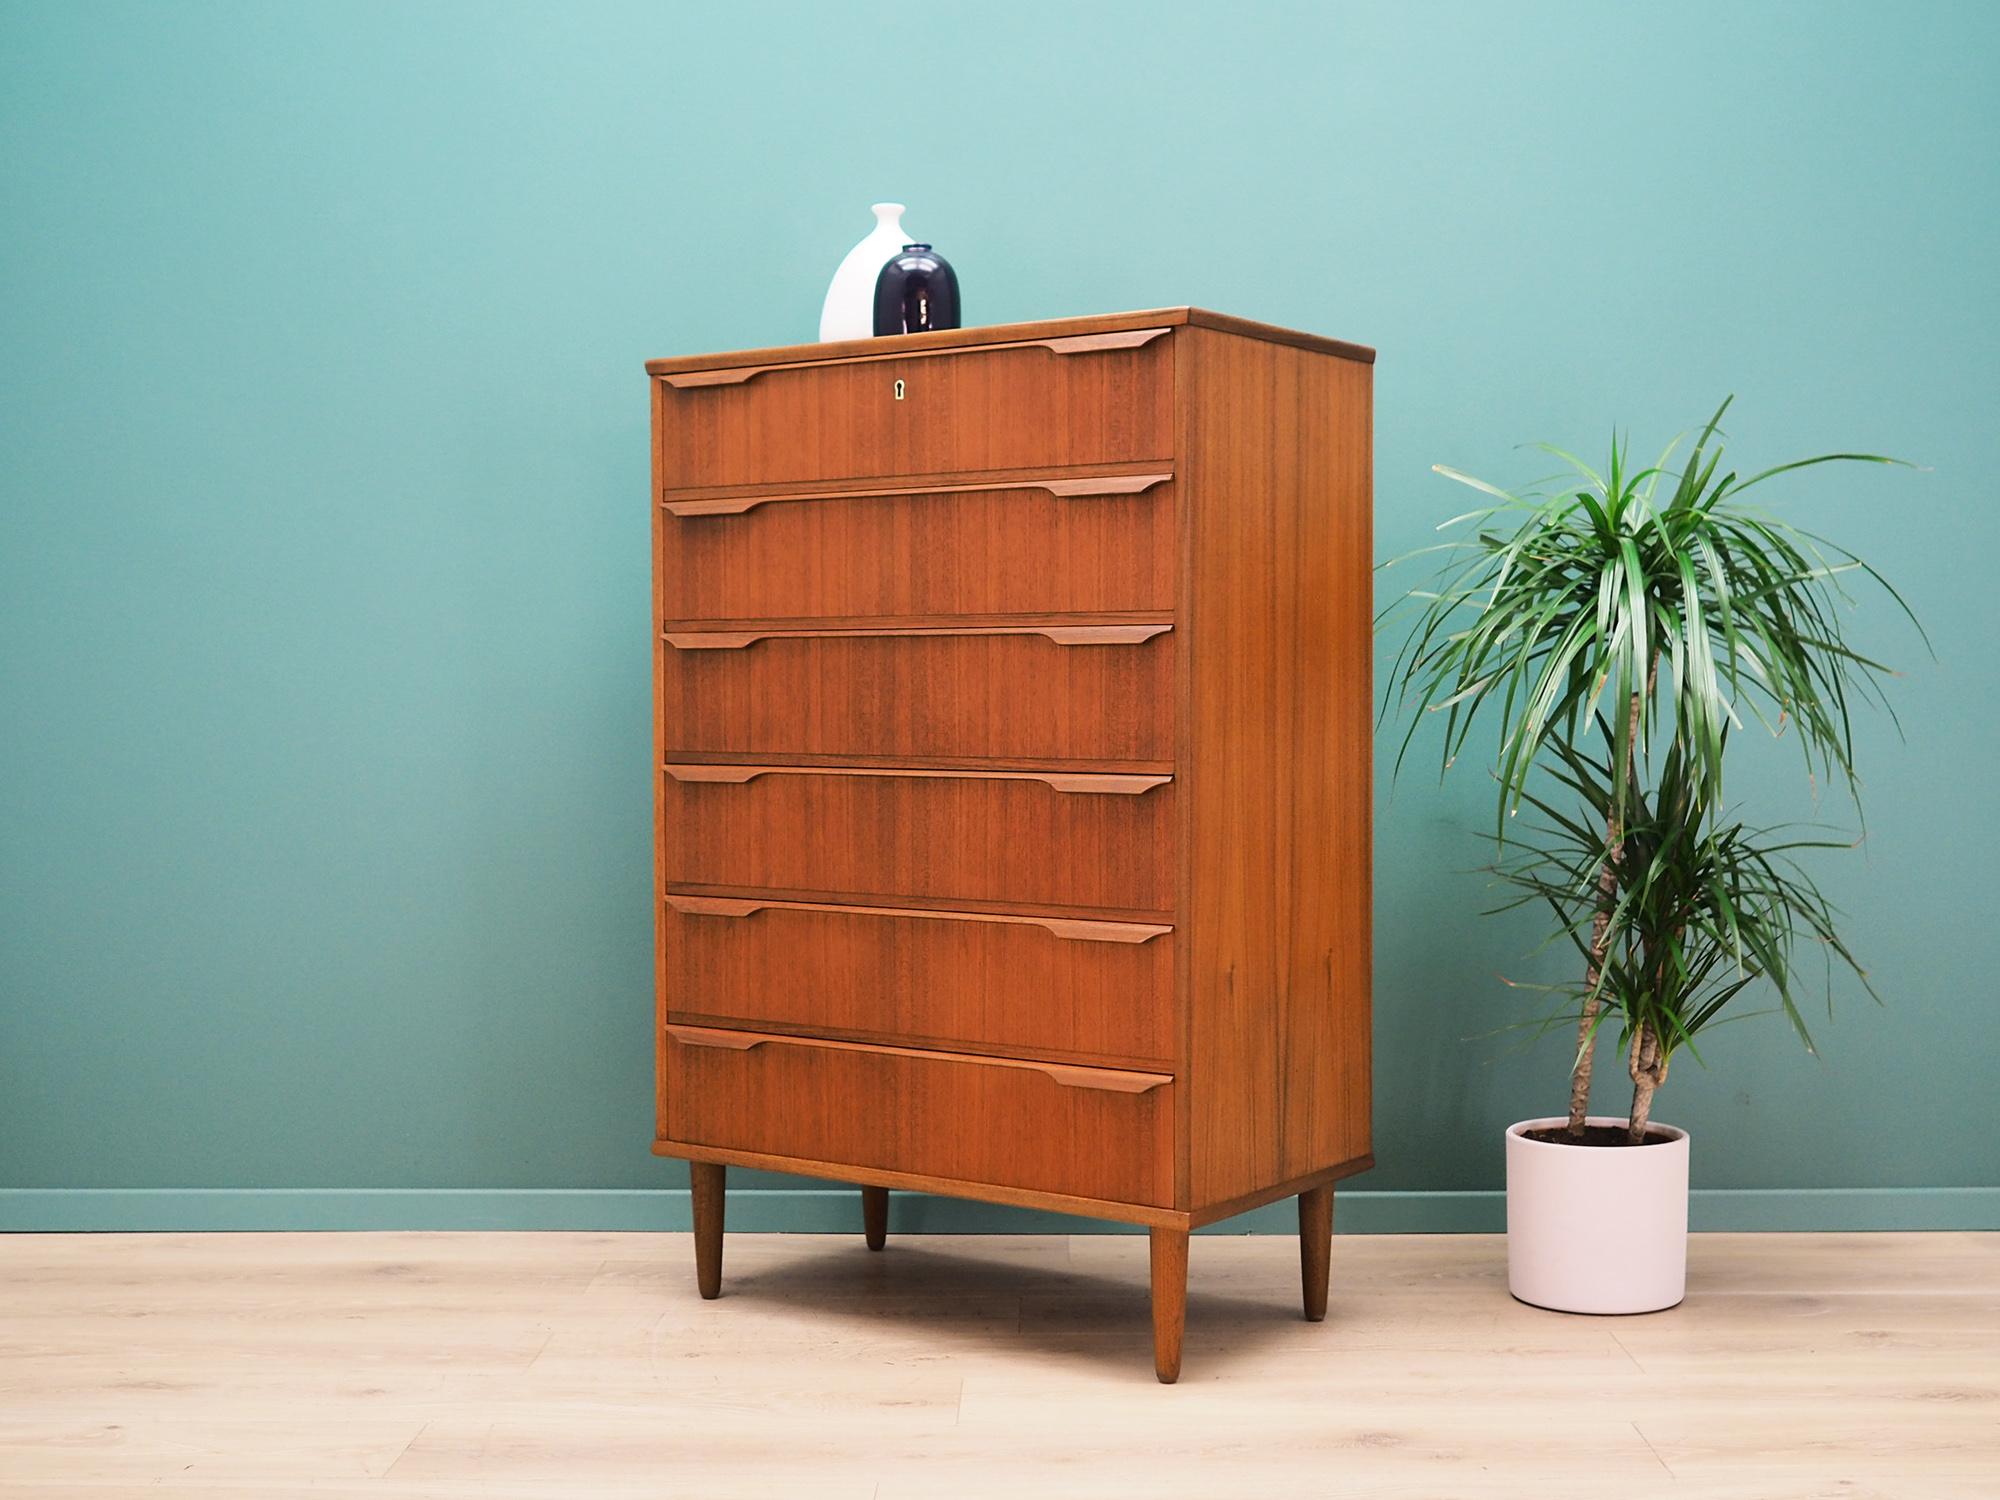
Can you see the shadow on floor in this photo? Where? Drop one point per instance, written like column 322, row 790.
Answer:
column 961, row 1300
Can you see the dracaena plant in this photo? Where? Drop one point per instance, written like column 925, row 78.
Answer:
column 1617, row 628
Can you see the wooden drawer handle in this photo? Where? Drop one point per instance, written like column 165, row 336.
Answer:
column 1062, row 489
column 715, row 1036
column 1087, row 343
column 1092, row 343
column 1069, row 1075
column 1105, row 1080
column 1105, row 783
column 1062, row 635
column 1071, row 929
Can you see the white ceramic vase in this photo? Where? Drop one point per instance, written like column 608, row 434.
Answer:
column 849, row 310
column 1597, row 1229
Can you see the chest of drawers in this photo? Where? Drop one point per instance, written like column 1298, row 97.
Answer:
column 1012, row 732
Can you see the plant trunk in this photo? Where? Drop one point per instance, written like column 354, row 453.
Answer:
column 1600, row 927
column 1649, row 1071
column 1586, row 1026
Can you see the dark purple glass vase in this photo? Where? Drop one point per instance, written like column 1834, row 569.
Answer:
column 916, row 292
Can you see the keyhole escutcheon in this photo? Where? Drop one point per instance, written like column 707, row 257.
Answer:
column 899, row 390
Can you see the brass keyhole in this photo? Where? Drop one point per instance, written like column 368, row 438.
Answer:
column 899, row 390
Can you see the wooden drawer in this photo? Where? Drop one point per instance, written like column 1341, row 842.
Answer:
column 1098, row 399
column 987, row 981
column 1004, row 839
column 1019, row 546
column 1002, row 691
column 1088, row 1132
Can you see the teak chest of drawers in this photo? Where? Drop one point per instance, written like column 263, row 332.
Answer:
column 1012, row 719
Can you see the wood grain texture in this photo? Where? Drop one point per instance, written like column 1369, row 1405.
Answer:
column 1085, row 481
column 940, row 1114
column 1070, row 630
column 931, row 979
column 995, row 551
column 420, row 1366
column 971, row 841
column 1169, row 1277
column 742, row 374
column 1069, row 1075
column 988, row 407
column 707, row 1182
column 1315, row 1249
column 896, row 1180
column 1099, row 783
column 1019, row 696
column 660, row 828
column 1070, row 479
column 816, row 900
column 1153, row 704
column 1276, row 756
column 1014, row 333
column 1072, row 929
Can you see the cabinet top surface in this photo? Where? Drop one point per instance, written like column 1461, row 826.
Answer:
column 1005, row 333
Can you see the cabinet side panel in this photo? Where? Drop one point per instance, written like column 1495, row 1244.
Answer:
column 1277, row 757
column 658, row 779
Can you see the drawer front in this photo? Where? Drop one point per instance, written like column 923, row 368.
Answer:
column 1098, row 989
column 896, row 695
column 1103, row 399
column 1029, row 549
column 958, row 838
column 1088, row 1132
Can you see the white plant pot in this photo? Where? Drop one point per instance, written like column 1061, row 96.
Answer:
column 1597, row 1229
column 849, row 309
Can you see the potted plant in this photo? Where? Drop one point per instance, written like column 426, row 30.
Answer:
column 1617, row 629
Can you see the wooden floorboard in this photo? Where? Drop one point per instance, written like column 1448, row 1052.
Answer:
column 395, row 1366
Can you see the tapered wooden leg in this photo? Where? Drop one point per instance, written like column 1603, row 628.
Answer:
column 875, row 1216
column 1169, row 1301
column 1315, row 1247
column 706, row 1180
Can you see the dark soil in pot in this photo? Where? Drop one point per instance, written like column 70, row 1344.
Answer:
column 1596, row 1135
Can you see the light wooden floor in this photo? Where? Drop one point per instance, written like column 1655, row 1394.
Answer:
column 543, row 1365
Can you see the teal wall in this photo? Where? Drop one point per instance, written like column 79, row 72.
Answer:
column 323, row 578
